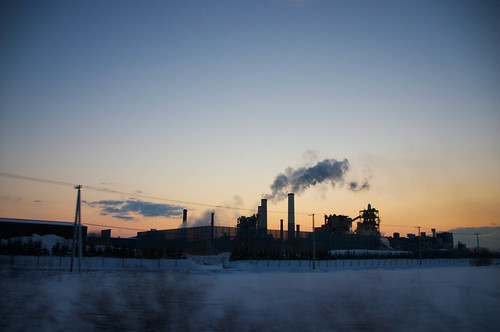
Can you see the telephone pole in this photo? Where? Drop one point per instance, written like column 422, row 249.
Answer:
column 77, row 231
column 477, row 239
column 419, row 246
column 314, row 244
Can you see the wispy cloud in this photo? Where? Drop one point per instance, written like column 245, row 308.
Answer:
column 126, row 210
column 10, row 198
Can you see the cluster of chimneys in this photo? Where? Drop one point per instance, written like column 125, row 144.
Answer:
column 262, row 212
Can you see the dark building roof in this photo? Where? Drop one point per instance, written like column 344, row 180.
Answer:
column 32, row 221
column 10, row 227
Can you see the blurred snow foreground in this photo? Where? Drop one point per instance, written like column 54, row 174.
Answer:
column 246, row 297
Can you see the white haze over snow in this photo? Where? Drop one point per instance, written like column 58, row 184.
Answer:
column 245, row 297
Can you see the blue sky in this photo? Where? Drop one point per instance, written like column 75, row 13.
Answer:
column 207, row 101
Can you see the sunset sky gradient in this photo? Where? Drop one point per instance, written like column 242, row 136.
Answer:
column 181, row 102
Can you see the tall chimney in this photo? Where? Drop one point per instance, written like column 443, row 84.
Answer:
column 184, row 217
column 281, row 230
column 259, row 215
column 298, row 232
column 291, row 216
column 263, row 218
column 212, row 224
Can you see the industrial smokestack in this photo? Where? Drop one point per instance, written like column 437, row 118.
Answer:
column 259, row 215
column 298, row 232
column 281, row 230
column 184, row 217
column 263, row 217
column 212, row 224
column 291, row 216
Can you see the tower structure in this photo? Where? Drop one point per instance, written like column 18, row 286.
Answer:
column 291, row 216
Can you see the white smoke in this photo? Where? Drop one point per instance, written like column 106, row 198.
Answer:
column 299, row 180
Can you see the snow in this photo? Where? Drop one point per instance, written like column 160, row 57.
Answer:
column 48, row 241
column 210, row 260
column 194, row 294
column 360, row 252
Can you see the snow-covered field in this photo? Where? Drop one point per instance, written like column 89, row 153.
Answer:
column 250, row 297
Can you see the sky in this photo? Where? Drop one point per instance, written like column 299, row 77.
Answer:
column 159, row 106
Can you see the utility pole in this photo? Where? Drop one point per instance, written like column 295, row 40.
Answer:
column 77, row 231
column 477, row 239
column 419, row 246
column 314, row 244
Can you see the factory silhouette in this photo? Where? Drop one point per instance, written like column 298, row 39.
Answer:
column 251, row 237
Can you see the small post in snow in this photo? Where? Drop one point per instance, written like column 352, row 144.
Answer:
column 314, row 245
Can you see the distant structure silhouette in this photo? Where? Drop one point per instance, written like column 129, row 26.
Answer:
column 251, row 237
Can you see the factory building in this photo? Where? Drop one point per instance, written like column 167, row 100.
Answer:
column 339, row 224
column 438, row 241
column 251, row 236
column 370, row 222
column 10, row 228
column 336, row 224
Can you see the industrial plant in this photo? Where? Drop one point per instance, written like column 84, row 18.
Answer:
column 251, row 237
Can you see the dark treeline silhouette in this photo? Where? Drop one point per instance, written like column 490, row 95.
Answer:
column 35, row 248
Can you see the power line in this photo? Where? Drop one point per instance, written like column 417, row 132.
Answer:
column 397, row 225
column 477, row 237
column 118, row 227
column 135, row 195
column 29, row 178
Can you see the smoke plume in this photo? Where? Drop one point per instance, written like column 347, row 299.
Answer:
column 354, row 186
column 329, row 171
